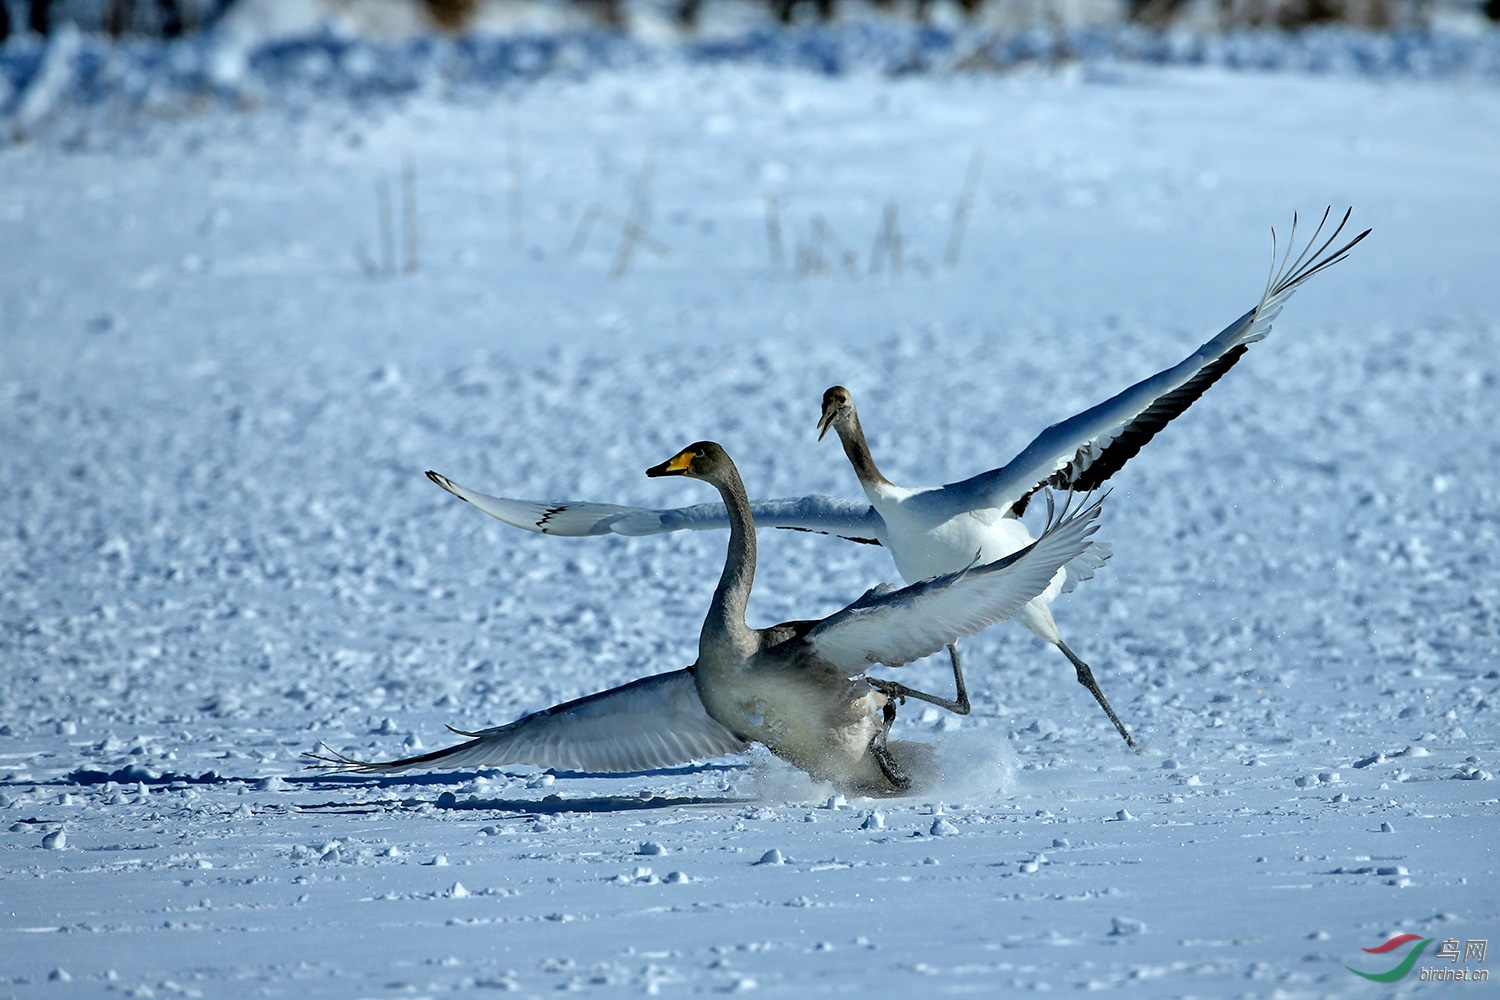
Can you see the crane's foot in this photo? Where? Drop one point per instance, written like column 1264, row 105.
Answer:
column 958, row 705
column 901, row 692
column 1086, row 678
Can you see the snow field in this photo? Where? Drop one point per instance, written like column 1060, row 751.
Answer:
column 218, row 547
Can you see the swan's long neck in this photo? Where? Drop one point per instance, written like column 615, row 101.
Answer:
column 852, row 436
column 726, row 615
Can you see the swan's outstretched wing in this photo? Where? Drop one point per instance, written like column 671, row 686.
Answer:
column 856, row 521
column 1083, row 566
column 899, row 626
column 650, row 723
column 1083, row 451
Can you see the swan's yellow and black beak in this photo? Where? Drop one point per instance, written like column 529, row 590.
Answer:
column 677, row 465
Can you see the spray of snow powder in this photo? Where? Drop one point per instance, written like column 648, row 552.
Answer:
column 967, row 766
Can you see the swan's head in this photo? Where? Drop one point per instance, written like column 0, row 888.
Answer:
column 838, row 409
column 704, row 460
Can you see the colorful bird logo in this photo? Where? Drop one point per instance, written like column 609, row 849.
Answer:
column 1406, row 963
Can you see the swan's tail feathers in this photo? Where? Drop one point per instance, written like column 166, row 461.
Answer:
column 647, row 724
column 1291, row 273
column 1096, row 553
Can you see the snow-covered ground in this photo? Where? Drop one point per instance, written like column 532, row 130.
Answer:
column 217, row 546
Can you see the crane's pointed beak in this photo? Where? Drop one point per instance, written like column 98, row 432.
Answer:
column 677, row 465
column 826, row 421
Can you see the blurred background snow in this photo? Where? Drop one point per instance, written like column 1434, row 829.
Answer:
column 173, row 56
column 262, row 262
column 391, row 20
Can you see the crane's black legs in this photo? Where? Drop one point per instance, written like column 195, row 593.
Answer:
column 1086, row 678
column 958, row 705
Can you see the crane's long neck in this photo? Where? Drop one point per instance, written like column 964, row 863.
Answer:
column 852, row 436
column 726, row 615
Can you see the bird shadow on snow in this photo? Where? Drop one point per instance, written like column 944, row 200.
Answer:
column 549, row 804
column 466, row 776
column 964, row 766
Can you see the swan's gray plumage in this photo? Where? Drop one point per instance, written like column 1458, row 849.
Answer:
column 798, row 688
column 651, row 723
column 803, row 693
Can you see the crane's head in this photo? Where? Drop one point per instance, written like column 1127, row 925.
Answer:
column 697, row 461
column 838, row 408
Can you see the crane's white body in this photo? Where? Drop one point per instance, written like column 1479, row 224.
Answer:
column 923, row 546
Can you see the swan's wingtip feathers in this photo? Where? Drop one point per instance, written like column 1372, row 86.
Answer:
column 332, row 761
column 650, row 723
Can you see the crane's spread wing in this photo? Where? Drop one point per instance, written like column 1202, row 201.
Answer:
column 856, row 521
column 1082, row 452
column 896, row 627
column 650, row 723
